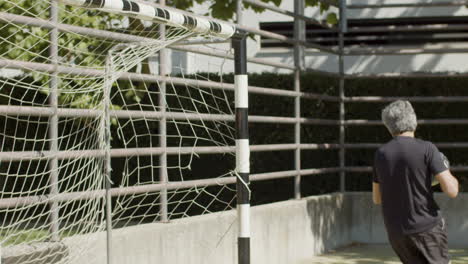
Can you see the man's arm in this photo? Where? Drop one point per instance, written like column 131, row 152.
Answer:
column 376, row 196
column 448, row 183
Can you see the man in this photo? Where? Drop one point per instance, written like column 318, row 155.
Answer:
column 404, row 170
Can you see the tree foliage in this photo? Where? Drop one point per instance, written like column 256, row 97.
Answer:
column 225, row 9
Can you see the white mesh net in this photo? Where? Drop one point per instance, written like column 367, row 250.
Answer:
column 56, row 110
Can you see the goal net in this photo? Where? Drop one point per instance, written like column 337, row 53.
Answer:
column 85, row 105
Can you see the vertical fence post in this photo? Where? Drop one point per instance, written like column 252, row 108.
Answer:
column 107, row 158
column 342, row 30
column 299, row 57
column 239, row 12
column 53, row 124
column 163, row 177
column 239, row 43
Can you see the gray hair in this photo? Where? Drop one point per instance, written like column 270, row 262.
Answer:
column 399, row 117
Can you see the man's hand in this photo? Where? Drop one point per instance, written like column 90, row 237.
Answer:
column 376, row 195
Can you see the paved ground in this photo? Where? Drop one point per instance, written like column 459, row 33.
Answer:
column 369, row 254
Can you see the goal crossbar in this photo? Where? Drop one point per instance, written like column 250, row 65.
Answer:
column 161, row 15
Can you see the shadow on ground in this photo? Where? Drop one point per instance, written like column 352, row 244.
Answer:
column 370, row 254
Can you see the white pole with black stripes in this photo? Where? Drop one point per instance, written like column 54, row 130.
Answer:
column 239, row 44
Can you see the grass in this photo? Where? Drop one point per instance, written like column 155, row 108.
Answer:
column 29, row 235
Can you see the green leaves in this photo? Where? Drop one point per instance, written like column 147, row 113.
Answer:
column 226, row 9
column 223, row 9
column 332, row 19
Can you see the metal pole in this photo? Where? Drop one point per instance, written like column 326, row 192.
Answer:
column 239, row 12
column 53, row 124
column 342, row 154
column 107, row 158
column 64, row 112
column 241, row 94
column 239, row 43
column 163, row 178
column 299, row 33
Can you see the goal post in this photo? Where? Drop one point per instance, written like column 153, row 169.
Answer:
column 239, row 44
column 62, row 114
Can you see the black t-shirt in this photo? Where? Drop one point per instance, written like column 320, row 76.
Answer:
column 404, row 168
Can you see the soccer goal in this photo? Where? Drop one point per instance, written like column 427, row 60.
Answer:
column 115, row 114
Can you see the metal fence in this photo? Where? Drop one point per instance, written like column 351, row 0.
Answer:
column 299, row 42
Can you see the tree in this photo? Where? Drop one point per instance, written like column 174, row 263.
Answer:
column 225, row 9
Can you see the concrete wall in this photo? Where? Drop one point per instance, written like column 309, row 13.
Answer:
column 285, row 232
column 368, row 227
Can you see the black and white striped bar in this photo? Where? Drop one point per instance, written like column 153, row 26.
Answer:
column 239, row 45
column 167, row 16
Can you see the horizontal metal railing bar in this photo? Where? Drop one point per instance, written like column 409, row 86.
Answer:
column 288, row 93
column 72, row 112
column 103, row 34
column 292, row 120
column 122, row 191
column 203, row 42
column 411, row 28
column 11, row 156
column 445, row 37
column 303, row 146
column 406, row 75
column 408, row 28
column 132, row 190
column 369, row 169
column 285, row 39
column 292, row 173
column 408, row 5
column 22, row 65
column 420, row 122
column 455, row 145
column 401, row 51
column 286, row 12
column 114, row 153
column 94, row 113
column 429, row 99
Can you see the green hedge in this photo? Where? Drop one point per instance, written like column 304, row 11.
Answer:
column 260, row 104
